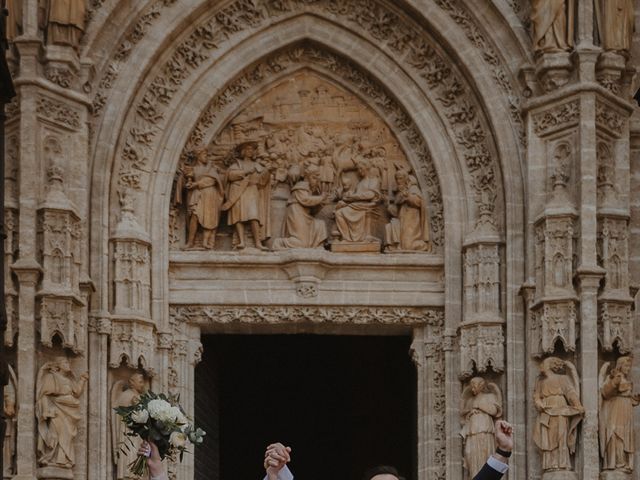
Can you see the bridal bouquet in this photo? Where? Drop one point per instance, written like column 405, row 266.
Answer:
column 159, row 419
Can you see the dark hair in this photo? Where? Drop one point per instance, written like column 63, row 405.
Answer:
column 380, row 470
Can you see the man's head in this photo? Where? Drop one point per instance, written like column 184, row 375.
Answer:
column 382, row 472
column 136, row 382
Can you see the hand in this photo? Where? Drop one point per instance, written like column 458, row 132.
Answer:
column 85, row 376
column 275, row 458
column 154, row 462
column 504, row 435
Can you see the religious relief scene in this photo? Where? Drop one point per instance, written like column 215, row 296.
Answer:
column 306, row 165
column 320, row 239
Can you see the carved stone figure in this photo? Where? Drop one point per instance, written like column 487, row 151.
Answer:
column 301, row 229
column 248, row 195
column 65, row 22
column 553, row 22
column 14, row 18
column 409, row 229
column 204, row 199
column 58, row 412
column 10, row 434
column 353, row 211
column 615, row 19
column 559, row 412
column 124, row 396
column 617, row 442
column 481, row 406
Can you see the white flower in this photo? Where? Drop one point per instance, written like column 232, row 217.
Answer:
column 159, row 409
column 178, row 439
column 140, row 416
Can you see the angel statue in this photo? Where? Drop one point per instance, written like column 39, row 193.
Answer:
column 481, row 406
column 617, row 443
column 124, row 394
column 559, row 412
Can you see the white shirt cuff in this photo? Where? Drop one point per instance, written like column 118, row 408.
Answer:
column 497, row 465
column 284, row 474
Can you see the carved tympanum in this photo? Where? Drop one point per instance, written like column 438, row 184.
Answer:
column 304, row 159
column 617, row 445
column 481, row 406
column 58, row 410
column 557, row 401
column 124, row 394
column 553, row 22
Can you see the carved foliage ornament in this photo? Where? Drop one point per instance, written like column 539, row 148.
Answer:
column 452, row 92
column 58, row 113
column 610, row 119
column 561, row 116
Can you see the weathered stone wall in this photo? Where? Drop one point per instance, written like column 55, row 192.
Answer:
column 456, row 170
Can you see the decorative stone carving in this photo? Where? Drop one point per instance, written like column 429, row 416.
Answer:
column 481, row 348
column 553, row 24
column 556, row 118
column 557, row 400
column 65, row 22
column 617, row 436
column 408, row 229
column 481, row 405
column 59, row 113
column 124, row 394
column 607, row 193
column 11, row 431
column 300, row 228
column 61, row 317
column 205, row 314
column 615, row 22
column 610, row 119
column 134, row 342
column 58, row 411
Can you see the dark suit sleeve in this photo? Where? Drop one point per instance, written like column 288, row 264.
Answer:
column 487, row 473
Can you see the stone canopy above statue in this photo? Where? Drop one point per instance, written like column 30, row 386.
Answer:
column 306, row 165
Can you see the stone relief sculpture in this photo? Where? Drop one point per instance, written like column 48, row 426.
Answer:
column 271, row 165
column 559, row 412
column 408, row 230
column 248, row 196
column 58, row 412
column 553, row 22
column 205, row 194
column 65, row 22
column 124, row 394
column 301, row 228
column 10, row 434
column 617, row 442
column 615, row 20
column 481, row 406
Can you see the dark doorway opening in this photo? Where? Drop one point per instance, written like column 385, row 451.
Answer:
column 343, row 403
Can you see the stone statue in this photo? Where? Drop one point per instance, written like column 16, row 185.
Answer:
column 617, row 442
column 124, row 396
column 409, row 229
column 615, row 20
column 65, row 22
column 204, row 199
column 248, row 195
column 301, row 229
column 559, row 412
column 481, row 407
column 14, row 18
column 553, row 22
column 354, row 209
column 10, row 434
column 58, row 412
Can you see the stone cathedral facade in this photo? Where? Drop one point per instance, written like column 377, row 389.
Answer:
column 463, row 172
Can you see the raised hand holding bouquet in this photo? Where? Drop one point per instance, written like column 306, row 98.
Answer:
column 159, row 419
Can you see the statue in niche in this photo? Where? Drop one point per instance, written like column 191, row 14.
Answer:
column 124, row 394
column 617, row 442
column 409, row 227
column 301, row 229
column 481, row 407
column 615, row 20
column 353, row 211
column 65, row 22
column 553, row 22
column 205, row 188
column 58, row 412
column 14, row 18
column 10, row 433
column 248, row 195
column 559, row 412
